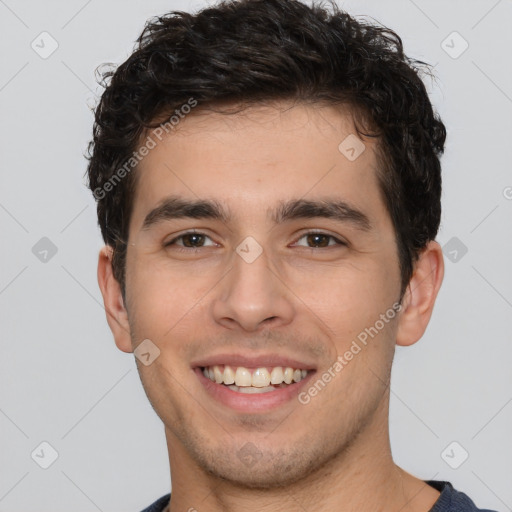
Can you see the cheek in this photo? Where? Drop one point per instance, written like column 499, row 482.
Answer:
column 165, row 299
column 356, row 306
column 346, row 296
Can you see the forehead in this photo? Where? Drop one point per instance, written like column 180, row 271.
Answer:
column 259, row 157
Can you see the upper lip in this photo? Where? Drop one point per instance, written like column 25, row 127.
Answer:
column 260, row 361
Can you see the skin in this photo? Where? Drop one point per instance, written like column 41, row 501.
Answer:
column 295, row 299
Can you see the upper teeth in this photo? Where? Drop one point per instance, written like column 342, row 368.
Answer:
column 259, row 378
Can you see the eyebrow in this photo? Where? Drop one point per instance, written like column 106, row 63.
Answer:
column 335, row 209
column 174, row 207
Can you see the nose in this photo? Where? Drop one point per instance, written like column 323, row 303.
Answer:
column 253, row 296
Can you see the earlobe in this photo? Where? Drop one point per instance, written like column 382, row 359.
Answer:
column 117, row 316
column 421, row 294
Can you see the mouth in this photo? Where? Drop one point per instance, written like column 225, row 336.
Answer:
column 252, row 381
column 255, row 387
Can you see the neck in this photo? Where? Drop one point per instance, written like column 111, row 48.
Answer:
column 362, row 477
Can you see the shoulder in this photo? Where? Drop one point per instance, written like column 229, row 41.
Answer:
column 159, row 505
column 451, row 500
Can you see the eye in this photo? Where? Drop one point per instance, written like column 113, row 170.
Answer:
column 317, row 240
column 191, row 240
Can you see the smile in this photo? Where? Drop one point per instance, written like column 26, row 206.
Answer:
column 258, row 380
column 255, row 390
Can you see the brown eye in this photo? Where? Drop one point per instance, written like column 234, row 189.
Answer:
column 191, row 240
column 319, row 240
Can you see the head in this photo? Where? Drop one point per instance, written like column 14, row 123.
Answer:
column 312, row 134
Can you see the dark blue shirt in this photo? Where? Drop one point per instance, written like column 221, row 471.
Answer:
column 450, row 500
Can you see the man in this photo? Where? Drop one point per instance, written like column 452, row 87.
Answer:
column 268, row 185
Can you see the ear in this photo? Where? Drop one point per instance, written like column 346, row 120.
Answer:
column 420, row 296
column 117, row 316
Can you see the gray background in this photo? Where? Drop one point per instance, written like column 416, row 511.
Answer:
column 62, row 379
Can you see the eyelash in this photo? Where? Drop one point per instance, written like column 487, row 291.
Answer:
column 186, row 249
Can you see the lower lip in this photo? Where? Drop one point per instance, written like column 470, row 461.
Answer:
column 255, row 402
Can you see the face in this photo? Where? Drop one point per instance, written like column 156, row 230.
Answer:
column 256, row 243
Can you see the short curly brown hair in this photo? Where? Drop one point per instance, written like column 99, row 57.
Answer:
column 252, row 51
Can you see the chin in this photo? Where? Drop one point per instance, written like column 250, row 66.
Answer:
column 264, row 473
column 257, row 480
